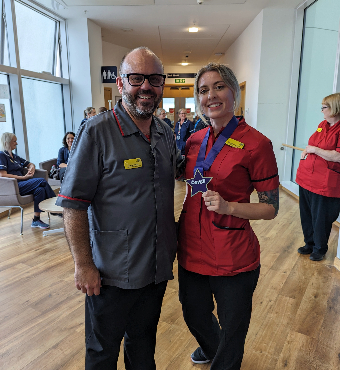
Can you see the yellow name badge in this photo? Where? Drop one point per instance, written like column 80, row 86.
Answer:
column 319, row 129
column 132, row 163
column 234, row 143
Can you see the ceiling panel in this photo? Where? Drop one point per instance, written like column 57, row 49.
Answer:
column 194, row 2
column 205, row 32
column 107, row 2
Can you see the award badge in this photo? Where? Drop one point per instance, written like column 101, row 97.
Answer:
column 199, row 183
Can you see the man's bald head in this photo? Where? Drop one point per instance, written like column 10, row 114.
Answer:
column 137, row 56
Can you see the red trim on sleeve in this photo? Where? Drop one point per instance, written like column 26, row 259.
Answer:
column 80, row 200
column 120, row 128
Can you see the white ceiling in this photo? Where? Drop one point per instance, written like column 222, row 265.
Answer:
column 162, row 25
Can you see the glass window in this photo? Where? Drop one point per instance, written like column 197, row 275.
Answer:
column 44, row 119
column 4, row 59
column 37, row 39
column 320, row 41
column 168, row 103
column 190, row 103
column 6, row 123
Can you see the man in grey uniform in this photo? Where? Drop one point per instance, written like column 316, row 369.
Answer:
column 118, row 199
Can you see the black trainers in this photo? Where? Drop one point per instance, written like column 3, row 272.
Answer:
column 305, row 249
column 316, row 256
column 198, row 357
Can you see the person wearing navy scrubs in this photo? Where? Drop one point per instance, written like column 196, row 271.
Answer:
column 218, row 252
column 183, row 130
column 64, row 153
column 88, row 113
column 12, row 166
column 318, row 177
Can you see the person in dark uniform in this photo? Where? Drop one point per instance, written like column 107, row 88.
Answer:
column 183, row 130
column 218, row 252
column 318, row 177
column 64, row 153
column 199, row 124
column 118, row 199
column 12, row 166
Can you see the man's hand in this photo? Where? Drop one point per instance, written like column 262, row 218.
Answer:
column 87, row 279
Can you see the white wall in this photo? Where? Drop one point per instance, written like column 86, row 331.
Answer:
column 243, row 57
column 112, row 56
column 96, row 61
column 275, row 77
column 79, row 64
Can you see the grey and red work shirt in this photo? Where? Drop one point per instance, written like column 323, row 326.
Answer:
column 127, row 183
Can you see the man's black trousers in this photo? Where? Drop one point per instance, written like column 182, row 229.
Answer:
column 317, row 214
column 222, row 341
column 117, row 313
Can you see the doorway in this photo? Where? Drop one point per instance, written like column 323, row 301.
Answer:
column 107, row 97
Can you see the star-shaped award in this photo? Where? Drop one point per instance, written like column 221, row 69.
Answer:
column 198, row 183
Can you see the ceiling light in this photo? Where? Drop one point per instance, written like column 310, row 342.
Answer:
column 193, row 29
column 184, row 63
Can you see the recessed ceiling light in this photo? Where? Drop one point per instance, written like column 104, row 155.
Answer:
column 184, row 64
column 193, row 29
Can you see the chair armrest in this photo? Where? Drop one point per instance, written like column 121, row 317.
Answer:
column 46, row 165
column 41, row 173
column 8, row 186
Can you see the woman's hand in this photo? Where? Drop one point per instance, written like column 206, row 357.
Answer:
column 216, row 203
column 62, row 165
column 304, row 154
column 31, row 169
column 27, row 176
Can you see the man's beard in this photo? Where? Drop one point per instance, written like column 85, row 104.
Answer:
column 145, row 110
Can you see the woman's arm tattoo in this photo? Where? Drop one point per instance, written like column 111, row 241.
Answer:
column 270, row 197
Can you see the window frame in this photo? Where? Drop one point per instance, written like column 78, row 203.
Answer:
column 15, row 73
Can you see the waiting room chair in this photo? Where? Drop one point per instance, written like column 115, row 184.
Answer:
column 10, row 196
column 46, row 165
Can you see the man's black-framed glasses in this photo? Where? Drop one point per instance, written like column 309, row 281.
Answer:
column 137, row 79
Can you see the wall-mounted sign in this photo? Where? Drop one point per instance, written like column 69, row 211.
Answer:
column 179, row 80
column 2, row 113
column 188, row 110
column 181, row 75
column 171, row 110
column 109, row 74
column 4, row 91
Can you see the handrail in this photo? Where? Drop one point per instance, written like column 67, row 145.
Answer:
column 293, row 147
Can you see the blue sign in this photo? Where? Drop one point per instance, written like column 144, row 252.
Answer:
column 109, row 74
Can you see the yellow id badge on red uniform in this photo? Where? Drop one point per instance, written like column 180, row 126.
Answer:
column 319, row 129
column 234, row 143
column 132, row 163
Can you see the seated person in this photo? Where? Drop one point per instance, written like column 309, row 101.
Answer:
column 161, row 113
column 12, row 166
column 64, row 153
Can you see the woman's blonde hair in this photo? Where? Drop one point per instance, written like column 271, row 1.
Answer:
column 6, row 139
column 87, row 111
column 333, row 102
column 228, row 78
column 182, row 110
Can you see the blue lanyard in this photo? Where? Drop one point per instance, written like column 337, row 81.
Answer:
column 204, row 164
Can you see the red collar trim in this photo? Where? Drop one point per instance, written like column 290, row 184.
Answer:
column 120, row 127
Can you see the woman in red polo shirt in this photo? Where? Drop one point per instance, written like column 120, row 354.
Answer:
column 319, row 178
column 219, row 254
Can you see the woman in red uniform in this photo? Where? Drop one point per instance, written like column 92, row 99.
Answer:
column 219, row 254
column 319, row 178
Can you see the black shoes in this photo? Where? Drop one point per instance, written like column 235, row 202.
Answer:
column 316, row 256
column 198, row 357
column 305, row 249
